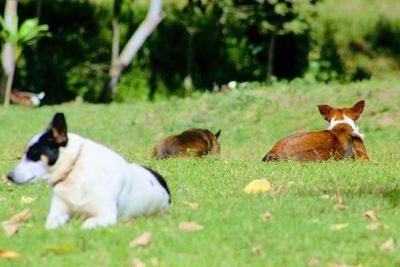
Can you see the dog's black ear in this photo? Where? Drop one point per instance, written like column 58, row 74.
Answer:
column 58, row 127
column 325, row 110
column 217, row 133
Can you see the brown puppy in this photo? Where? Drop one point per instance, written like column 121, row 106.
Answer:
column 192, row 142
column 341, row 140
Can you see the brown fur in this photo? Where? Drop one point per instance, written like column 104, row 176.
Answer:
column 192, row 142
column 24, row 98
column 338, row 143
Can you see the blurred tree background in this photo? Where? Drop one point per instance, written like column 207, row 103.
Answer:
column 201, row 44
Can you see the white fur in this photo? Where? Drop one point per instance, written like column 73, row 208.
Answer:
column 347, row 121
column 27, row 171
column 100, row 185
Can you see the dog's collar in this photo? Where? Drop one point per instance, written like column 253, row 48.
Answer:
column 65, row 176
column 348, row 121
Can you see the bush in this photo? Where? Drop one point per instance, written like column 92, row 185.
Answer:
column 201, row 44
column 351, row 40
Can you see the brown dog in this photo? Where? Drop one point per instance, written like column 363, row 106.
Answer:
column 341, row 140
column 192, row 142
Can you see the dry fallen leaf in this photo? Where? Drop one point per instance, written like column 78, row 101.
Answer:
column 154, row 261
column 373, row 226
column 22, row 216
column 381, row 190
column 315, row 220
column 6, row 181
column 11, row 226
column 6, row 254
column 387, row 245
column 339, row 226
column 27, row 200
column 313, row 261
column 192, row 205
column 376, row 225
column 257, row 250
column 337, row 197
column 342, row 265
column 138, row 263
column 340, row 207
column 267, row 215
column 279, row 190
column 190, row 226
column 370, row 214
column 61, row 250
column 142, row 241
column 258, row 185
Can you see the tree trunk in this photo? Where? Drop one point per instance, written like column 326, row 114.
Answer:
column 9, row 81
column 8, row 54
column 270, row 58
column 107, row 93
column 131, row 20
column 39, row 9
column 116, row 35
column 3, row 86
column 188, row 81
column 153, row 18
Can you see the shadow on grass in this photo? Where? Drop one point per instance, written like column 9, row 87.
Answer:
column 392, row 196
column 389, row 194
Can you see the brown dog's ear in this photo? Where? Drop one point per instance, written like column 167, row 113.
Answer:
column 217, row 133
column 325, row 110
column 358, row 109
column 58, row 128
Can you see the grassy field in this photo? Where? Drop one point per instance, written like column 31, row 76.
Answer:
column 308, row 228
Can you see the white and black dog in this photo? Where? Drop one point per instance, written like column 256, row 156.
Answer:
column 88, row 179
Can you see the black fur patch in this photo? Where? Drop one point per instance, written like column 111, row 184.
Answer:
column 161, row 180
column 47, row 146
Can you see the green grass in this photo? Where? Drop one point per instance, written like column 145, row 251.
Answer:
column 251, row 121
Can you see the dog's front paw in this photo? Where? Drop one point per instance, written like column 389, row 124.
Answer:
column 53, row 222
column 95, row 222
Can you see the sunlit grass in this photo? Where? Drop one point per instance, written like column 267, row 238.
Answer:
column 302, row 201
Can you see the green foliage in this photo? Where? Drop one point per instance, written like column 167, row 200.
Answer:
column 28, row 33
column 352, row 29
column 212, row 41
column 74, row 62
column 9, row 33
column 304, row 211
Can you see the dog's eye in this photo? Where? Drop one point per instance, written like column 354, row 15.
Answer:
column 33, row 154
